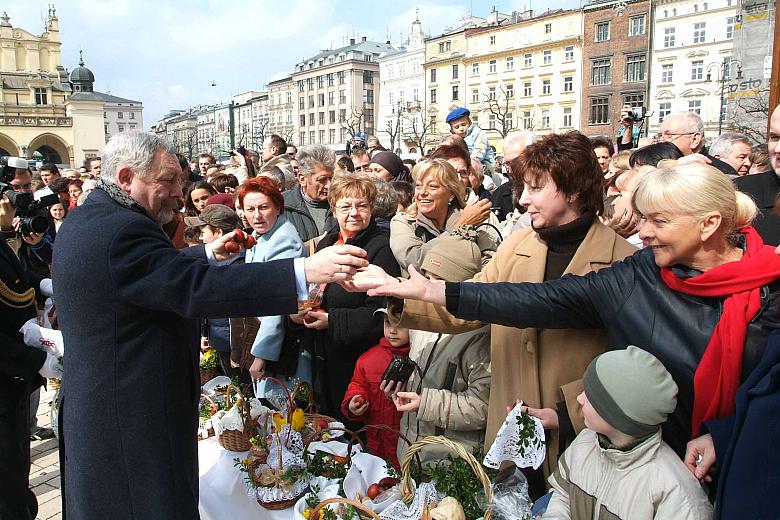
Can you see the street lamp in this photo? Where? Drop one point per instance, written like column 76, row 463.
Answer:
column 722, row 78
column 231, row 130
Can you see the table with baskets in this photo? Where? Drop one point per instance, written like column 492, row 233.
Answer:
column 257, row 462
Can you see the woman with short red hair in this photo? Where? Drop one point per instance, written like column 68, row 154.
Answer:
column 263, row 208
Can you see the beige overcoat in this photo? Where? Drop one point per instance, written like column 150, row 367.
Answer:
column 540, row 366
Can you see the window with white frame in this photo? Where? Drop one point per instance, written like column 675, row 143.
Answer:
column 602, row 31
column 567, row 117
column 667, row 73
column 547, row 28
column 568, row 84
column 433, row 95
column 636, row 25
column 510, row 63
column 730, row 28
column 475, row 69
column 492, row 40
column 474, row 95
column 433, row 75
column 492, row 66
column 526, row 89
column 697, row 70
column 599, row 110
column 601, row 71
column 492, row 93
column 455, row 71
column 492, row 121
column 509, row 121
column 669, row 37
column 694, row 105
column 527, row 60
column 568, row 53
column 510, row 90
column 455, row 92
column 545, row 118
column 547, row 57
column 699, row 32
column 636, row 65
column 527, row 120
column 546, row 89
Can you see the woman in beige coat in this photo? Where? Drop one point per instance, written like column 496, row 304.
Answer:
column 562, row 193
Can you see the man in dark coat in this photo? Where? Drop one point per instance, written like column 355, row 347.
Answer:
column 129, row 305
column 306, row 206
column 19, row 377
column 765, row 187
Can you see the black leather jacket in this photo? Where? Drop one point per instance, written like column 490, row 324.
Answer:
column 634, row 305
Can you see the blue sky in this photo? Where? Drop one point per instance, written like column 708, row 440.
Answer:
column 167, row 53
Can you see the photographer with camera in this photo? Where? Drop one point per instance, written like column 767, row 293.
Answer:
column 23, row 217
column 628, row 116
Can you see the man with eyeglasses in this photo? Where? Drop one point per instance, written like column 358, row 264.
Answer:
column 361, row 160
column 686, row 131
column 765, row 187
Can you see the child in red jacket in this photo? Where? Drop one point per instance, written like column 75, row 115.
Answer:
column 365, row 402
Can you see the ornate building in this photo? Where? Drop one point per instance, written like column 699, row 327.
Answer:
column 46, row 114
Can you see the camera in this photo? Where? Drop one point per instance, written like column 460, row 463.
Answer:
column 637, row 113
column 399, row 370
column 31, row 212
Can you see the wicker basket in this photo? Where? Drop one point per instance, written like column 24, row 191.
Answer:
column 364, row 512
column 207, row 374
column 234, row 440
column 282, row 504
column 407, row 490
column 385, row 427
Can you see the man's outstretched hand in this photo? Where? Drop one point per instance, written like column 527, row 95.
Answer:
column 334, row 264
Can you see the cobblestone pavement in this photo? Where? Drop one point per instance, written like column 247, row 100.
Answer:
column 45, row 467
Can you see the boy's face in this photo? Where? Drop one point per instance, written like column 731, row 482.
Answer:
column 460, row 126
column 397, row 336
column 593, row 420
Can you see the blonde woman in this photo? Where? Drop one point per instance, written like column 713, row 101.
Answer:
column 701, row 296
column 439, row 207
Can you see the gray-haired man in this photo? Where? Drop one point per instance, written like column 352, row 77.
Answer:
column 129, row 305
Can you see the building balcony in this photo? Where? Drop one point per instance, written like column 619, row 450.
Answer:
column 36, row 121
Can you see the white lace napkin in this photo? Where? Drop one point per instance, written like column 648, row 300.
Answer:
column 506, row 446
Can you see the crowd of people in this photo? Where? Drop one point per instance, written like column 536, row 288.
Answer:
column 627, row 295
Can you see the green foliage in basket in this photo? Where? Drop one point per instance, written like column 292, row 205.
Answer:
column 325, row 465
column 454, row 477
column 210, row 360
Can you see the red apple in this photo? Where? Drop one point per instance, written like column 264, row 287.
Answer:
column 373, row 491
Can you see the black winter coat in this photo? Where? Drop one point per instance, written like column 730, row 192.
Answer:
column 631, row 301
column 297, row 213
column 19, row 367
column 129, row 305
column 745, row 444
column 353, row 328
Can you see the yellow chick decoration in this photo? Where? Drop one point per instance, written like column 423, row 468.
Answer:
column 279, row 421
column 298, row 420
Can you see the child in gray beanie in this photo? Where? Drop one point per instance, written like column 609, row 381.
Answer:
column 618, row 467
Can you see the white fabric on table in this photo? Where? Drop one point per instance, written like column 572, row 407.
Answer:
column 223, row 493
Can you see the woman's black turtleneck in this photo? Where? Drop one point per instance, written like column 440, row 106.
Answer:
column 562, row 242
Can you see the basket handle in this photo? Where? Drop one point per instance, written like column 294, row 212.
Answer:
column 289, row 396
column 407, row 490
column 301, row 387
column 388, row 428
column 315, row 513
column 318, row 434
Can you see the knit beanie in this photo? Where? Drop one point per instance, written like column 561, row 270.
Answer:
column 631, row 390
column 454, row 257
column 390, row 162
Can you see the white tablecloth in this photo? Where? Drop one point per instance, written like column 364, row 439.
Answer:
column 223, row 493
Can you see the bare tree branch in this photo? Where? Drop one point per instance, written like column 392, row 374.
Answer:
column 501, row 107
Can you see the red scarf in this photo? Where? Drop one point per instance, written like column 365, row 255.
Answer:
column 717, row 377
